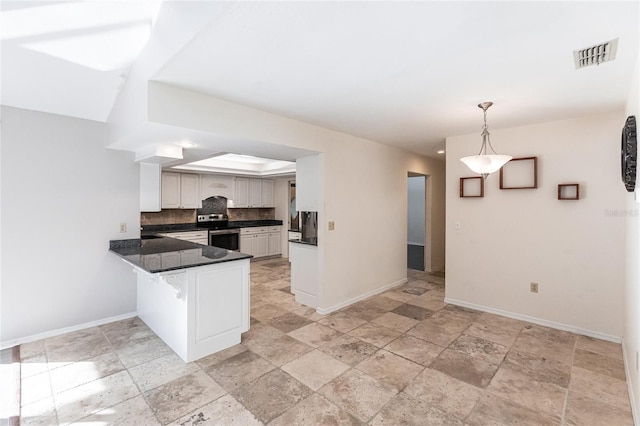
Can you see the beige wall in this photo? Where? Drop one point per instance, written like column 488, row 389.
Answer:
column 510, row 238
column 364, row 189
column 63, row 198
column 631, row 341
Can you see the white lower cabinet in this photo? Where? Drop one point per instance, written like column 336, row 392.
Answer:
column 261, row 246
column 196, row 311
column 304, row 273
column 275, row 240
column 261, row 241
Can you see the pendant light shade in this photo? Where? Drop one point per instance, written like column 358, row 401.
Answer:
column 484, row 163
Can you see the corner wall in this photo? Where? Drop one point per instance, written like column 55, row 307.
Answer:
column 510, row 238
column 63, row 198
column 631, row 341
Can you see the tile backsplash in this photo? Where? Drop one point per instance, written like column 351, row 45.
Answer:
column 171, row 216
column 168, row 217
column 252, row 214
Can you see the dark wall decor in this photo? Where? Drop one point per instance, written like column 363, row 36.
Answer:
column 520, row 173
column 569, row 191
column 472, row 187
column 629, row 153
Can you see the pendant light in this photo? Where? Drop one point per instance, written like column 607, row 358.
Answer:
column 484, row 163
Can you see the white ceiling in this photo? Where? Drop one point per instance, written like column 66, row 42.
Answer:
column 401, row 73
column 70, row 57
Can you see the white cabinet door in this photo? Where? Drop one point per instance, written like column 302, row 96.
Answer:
column 246, row 244
column 189, row 191
column 255, row 192
column 198, row 237
column 274, row 243
column 304, row 273
column 241, row 192
column 170, row 190
column 261, row 245
column 268, row 199
column 150, row 184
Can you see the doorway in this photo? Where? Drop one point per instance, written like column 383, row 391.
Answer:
column 416, row 221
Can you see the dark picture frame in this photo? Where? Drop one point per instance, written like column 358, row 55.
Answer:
column 569, row 191
column 520, row 173
column 473, row 189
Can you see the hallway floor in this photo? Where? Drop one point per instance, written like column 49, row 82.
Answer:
column 400, row 358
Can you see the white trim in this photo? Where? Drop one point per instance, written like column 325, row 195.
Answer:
column 58, row 332
column 325, row 311
column 632, row 399
column 534, row 320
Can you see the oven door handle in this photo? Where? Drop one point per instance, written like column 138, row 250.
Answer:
column 223, row 231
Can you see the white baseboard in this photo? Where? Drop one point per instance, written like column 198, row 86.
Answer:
column 534, row 320
column 58, row 332
column 632, row 399
column 325, row 311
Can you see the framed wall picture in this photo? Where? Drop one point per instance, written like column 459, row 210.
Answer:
column 471, row 187
column 569, row 191
column 520, row 173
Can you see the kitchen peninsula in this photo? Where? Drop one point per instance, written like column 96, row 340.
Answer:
column 194, row 297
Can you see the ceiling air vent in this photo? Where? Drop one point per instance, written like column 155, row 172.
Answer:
column 595, row 55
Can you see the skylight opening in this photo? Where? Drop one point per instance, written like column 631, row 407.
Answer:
column 241, row 164
column 104, row 36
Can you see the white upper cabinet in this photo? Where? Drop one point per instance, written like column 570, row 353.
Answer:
column 241, row 193
column 189, row 191
column 254, row 193
column 216, row 185
column 150, row 187
column 170, row 190
column 180, row 191
column 267, row 193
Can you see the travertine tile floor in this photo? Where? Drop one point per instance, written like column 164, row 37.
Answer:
column 400, row 358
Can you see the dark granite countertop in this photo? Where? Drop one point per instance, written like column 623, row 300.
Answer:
column 168, row 254
column 307, row 241
column 254, row 223
column 183, row 227
column 176, row 227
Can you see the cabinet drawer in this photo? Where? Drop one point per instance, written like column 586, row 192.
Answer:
column 190, row 234
column 258, row 230
column 275, row 228
column 199, row 237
